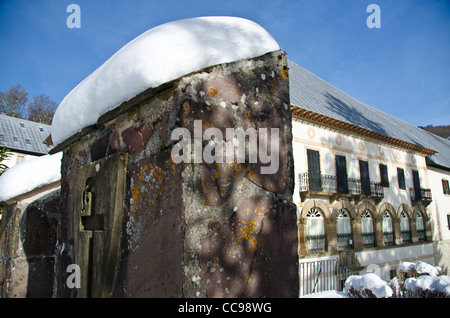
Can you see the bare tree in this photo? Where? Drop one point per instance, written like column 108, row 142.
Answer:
column 41, row 109
column 13, row 101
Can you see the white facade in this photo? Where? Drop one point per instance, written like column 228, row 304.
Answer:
column 441, row 215
column 17, row 158
column 329, row 142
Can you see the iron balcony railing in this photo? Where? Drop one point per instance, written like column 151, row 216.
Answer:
column 320, row 276
column 419, row 194
column 328, row 184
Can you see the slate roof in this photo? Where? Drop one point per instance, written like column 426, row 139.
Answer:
column 24, row 136
column 310, row 92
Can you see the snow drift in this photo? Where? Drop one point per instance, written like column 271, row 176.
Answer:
column 159, row 55
column 30, row 175
column 369, row 282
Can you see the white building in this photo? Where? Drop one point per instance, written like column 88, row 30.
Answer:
column 369, row 186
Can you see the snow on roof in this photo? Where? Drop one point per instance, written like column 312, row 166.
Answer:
column 159, row 55
column 30, row 175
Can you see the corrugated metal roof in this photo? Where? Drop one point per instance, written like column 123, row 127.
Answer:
column 310, row 92
column 23, row 135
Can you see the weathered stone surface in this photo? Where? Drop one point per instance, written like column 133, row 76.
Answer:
column 180, row 218
column 154, row 229
column 241, row 257
column 28, row 242
column 136, row 138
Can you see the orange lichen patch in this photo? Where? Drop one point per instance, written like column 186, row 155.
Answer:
column 136, row 195
column 202, row 181
column 249, row 231
column 285, row 73
column 211, row 92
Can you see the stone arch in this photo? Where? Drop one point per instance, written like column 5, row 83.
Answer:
column 343, row 204
column 316, row 203
column 386, row 206
column 420, row 208
column 366, row 205
column 404, row 207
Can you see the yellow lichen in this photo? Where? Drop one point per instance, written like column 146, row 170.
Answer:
column 285, row 73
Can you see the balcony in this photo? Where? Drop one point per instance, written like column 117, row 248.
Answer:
column 420, row 195
column 329, row 185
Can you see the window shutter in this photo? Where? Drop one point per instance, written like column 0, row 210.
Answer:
column 365, row 181
column 315, row 182
column 445, row 186
column 341, row 174
column 401, row 178
column 384, row 175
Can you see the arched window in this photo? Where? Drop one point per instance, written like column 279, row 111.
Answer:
column 404, row 227
column 420, row 226
column 388, row 232
column 368, row 237
column 315, row 231
column 344, row 230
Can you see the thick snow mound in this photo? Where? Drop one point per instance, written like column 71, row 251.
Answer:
column 433, row 283
column 30, row 175
column 159, row 55
column 420, row 267
column 369, row 282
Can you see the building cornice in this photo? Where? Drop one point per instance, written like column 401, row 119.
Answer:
column 328, row 121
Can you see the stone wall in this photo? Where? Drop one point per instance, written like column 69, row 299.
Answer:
column 189, row 229
column 27, row 246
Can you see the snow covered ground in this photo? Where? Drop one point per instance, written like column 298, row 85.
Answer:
column 430, row 278
column 326, row 294
column 159, row 55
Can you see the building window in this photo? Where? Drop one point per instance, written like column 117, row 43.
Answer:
column 15, row 139
column 20, row 159
column 22, row 125
column 344, row 230
column 28, row 141
column 445, row 186
column 41, row 129
column 401, row 178
column 315, row 231
column 2, row 137
column 368, row 237
column 420, row 227
column 392, row 273
column 386, row 225
column 384, row 176
column 404, row 227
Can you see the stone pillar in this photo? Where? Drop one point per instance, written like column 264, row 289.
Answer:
column 378, row 228
column 357, row 234
column 397, row 231
column 302, row 237
column 331, row 234
column 194, row 228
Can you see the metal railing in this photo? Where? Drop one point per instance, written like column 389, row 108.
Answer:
column 321, row 276
column 328, row 184
column 420, row 194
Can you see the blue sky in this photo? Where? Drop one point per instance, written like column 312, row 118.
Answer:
column 402, row 68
